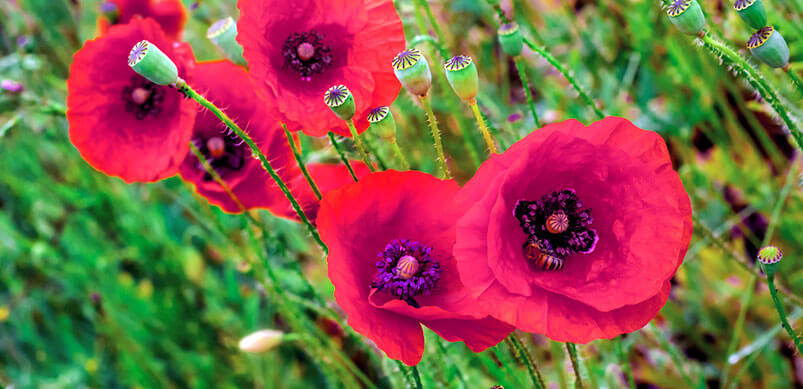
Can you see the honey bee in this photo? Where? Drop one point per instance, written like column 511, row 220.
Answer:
column 543, row 260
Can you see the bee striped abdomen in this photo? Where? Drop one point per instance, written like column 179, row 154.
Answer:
column 542, row 260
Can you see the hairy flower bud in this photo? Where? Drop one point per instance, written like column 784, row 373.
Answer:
column 261, row 341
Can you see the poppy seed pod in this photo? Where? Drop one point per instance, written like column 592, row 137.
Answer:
column 148, row 61
column 224, row 35
column 752, row 12
column 412, row 70
column 687, row 16
column 462, row 76
column 341, row 101
column 511, row 39
column 770, row 257
column 768, row 45
column 382, row 122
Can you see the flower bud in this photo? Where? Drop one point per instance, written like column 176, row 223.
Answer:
column 224, row 35
column 261, row 341
column 769, row 257
column 412, row 70
column 687, row 16
column 768, row 45
column 752, row 12
column 110, row 11
column 150, row 62
column 341, row 101
column 11, row 86
column 382, row 123
column 511, row 39
column 462, row 76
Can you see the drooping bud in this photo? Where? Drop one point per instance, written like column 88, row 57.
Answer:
column 224, row 35
column 768, row 45
column 412, row 70
column 462, row 76
column 11, row 86
column 341, row 101
column 261, row 341
column 769, row 257
column 687, row 16
column 148, row 61
column 752, row 12
column 382, row 122
column 511, row 39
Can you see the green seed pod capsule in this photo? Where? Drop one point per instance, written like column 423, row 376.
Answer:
column 687, row 16
column 768, row 45
column 382, row 123
column 752, row 12
column 341, row 101
column 412, row 70
column 224, row 35
column 770, row 257
column 150, row 62
column 511, row 39
column 462, row 76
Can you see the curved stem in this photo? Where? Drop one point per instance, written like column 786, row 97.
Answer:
column 301, row 163
column 779, row 306
column 623, row 360
column 188, row 91
column 216, row 177
column 673, row 353
column 417, row 377
column 526, row 358
column 360, row 145
column 436, row 136
column 752, row 76
column 572, row 349
column 342, row 156
column 489, row 140
column 525, row 82
column 400, row 154
column 795, row 80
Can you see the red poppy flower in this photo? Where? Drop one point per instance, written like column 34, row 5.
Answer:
column 296, row 50
column 170, row 14
column 124, row 125
column 327, row 177
column 390, row 239
column 575, row 232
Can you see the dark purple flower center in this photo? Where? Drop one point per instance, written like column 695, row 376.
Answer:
column 225, row 152
column 306, row 53
column 557, row 224
column 406, row 269
column 143, row 98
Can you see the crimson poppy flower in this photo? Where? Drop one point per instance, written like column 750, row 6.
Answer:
column 327, row 177
column 296, row 50
column 574, row 232
column 170, row 14
column 390, row 239
column 121, row 123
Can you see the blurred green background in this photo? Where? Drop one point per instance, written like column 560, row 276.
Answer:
column 104, row 284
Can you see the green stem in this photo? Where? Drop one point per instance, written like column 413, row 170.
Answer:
column 432, row 20
column 187, row 90
column 526, row 358
column 779, row 306
column 216, row 177
column 795, row 80
column 360, row 145
column 572, row 349
column 489, row 140
column 625, row 362
column 301, row 163
column 525, row 82
column 752, row 76
column 673, row 353
column 400, row 154
column 436, row 136
column 342, row 155
column 369, row 144
column 417, row 377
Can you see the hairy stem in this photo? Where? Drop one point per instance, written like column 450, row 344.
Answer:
column 301, row 163
column 342, row 156
column 436, row 136
column 572, row 349
column 360, row 145
column 526, row 358
column 779, row 307
column 489, row 140
column 525, row 82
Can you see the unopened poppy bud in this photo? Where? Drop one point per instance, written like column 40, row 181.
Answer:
column 382, row 122
column 687, row 16
column 261, row 341
column 770, row 257
column 224, row 35
column 11, row 86
column 511, row 39
column 412, row 70
column 768, row 45
column 462, row 76
column 752, row 12
column 110, row 11
column 148, row 61
column 340, row 100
